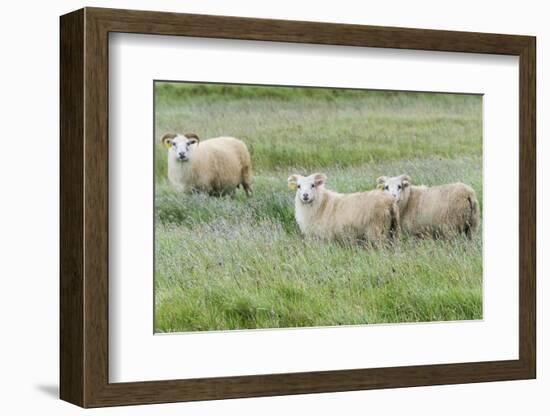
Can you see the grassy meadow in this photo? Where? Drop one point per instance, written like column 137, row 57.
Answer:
column 223, row 263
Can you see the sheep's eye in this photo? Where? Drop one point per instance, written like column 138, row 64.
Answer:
column 299, row 186
column 174, row 144
column 399, row 187
column 313, row 185
column 387, row 188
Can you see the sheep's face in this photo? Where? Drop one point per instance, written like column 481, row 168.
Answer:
column 307, row 187
column 398, row 186
column 181, row 147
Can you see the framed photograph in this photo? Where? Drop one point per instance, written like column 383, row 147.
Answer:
column 255, row 207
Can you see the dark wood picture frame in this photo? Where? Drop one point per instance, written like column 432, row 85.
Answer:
column 84, row 207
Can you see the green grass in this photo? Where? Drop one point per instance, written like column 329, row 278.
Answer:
column 240, row 263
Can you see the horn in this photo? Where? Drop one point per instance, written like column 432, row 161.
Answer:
column 192, row 136
column 167, row 138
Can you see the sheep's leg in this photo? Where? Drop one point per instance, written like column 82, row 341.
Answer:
column 246, row 180
column 373, row 236
column 472, row 221
column 248, row 189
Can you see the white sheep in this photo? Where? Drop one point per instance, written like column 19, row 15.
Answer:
column 217, row 166
column 371, row 217
column 444, row 211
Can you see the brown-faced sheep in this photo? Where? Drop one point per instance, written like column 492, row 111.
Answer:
column 439, row 211
column 216, row 166
column 371, row 217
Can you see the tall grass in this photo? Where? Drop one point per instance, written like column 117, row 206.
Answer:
column 223, row 263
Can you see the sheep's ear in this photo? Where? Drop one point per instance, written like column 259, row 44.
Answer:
column 405, row 180
column 192, row 138
column 381, row 181
column 319, row 178
column 292, row 182
column 168, row 139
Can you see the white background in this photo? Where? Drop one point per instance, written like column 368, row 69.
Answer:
column 193, row 355
column 29, row 220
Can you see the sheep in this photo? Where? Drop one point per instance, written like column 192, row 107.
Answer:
column 439, row 211
column 217, row 166
column 365, row 217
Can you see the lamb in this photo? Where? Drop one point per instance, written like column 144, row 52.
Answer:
column 217, row 166
column 365, row 217
column 439, row 211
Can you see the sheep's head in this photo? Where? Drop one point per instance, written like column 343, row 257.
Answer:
column 307, row 187
column 397, row 186
column 180, row 146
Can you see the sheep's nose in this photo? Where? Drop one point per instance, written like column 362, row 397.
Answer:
column 181, row 154
column 306, row 196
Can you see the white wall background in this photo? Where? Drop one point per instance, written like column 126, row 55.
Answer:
column 29, row 160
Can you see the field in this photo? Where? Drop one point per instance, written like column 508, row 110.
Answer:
column 223, row 263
